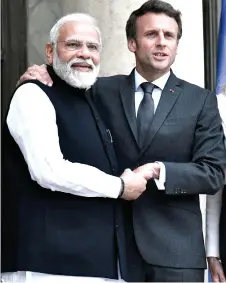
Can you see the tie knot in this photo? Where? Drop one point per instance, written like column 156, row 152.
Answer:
column 147, row 87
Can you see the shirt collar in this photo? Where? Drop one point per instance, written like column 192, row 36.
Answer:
column 160, row 82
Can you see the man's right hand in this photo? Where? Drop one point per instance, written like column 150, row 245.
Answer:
column 135, row 183
column 36, row 72
column 216, row 269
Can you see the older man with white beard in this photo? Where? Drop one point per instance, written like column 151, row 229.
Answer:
column 62, row 208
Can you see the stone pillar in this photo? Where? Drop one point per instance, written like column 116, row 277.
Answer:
column 111, row 16
column 42, row 14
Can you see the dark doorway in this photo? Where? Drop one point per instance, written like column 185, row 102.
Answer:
column 211, row 10
column 13, row 47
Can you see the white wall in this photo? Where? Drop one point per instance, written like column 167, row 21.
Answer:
column 189, row 63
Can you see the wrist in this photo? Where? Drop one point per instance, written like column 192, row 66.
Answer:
column 122, row 188
column 212, row 258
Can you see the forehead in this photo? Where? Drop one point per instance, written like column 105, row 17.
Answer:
column 152, row 21
column 77, row 30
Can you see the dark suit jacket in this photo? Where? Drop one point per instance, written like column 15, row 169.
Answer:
column 186, row 135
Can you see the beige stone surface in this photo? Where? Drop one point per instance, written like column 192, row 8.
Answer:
column 111, row 16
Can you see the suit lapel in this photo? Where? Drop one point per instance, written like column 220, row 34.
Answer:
column 168, row 98
column 127, row 93
column 104, row 133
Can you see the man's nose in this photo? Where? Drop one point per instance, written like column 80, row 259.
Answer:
column 161, row 41
column 84, row 52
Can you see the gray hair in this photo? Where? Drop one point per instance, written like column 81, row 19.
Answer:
column 74, row 17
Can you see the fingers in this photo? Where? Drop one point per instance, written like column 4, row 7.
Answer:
column 145, row 172
column 38, row 73
column 149, row 170
column 218, row 276
column 43, row 66
column 215, row 278
column 32, row 76
column 148, row 174
column 222, row 278
column 126, row 172
column 23, row 78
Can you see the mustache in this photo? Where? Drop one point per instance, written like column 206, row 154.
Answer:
column 79, row 60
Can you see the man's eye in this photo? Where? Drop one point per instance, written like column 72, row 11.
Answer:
column 93, row 47
column 151, row 34
column 169, row 35
column 73, row 44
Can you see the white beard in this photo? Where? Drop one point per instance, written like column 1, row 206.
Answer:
column 75, row 78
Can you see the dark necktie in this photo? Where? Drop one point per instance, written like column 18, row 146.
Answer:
column 145, row 112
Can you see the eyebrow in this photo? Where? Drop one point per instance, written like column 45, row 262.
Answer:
column 158, row 29
column 72, row 38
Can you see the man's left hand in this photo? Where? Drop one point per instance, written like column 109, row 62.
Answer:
column 154, row 167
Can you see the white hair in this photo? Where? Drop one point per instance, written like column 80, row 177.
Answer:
column 74, row 17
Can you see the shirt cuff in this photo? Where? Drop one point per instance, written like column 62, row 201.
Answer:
column 114, row 187
column 160, row 182
column 213, row 252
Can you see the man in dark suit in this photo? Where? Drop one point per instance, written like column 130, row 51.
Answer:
column 185, row 137
column 176, row 131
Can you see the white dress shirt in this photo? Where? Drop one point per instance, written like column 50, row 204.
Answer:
column 32, row 123
column 213, row 205
column 156, row 95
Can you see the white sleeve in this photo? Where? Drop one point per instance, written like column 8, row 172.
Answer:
column 160, row 183
column 213, row 204
column 32, row 123
column 213, row 209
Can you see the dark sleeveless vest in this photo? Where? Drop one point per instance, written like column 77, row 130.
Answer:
column 55, row 232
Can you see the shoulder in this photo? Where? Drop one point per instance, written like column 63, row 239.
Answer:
column 107, row 85
column 29, row 94
column 194, row 88
column 199, row 95
column 110, row 81
column 31, row 84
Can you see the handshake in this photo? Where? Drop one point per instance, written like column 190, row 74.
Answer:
column 135, row 181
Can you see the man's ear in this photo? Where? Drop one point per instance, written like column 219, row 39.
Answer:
column 132, row 45
column 177, row 46
column 49, row 53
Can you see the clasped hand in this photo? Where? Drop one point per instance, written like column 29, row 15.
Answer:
column 136, row 180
